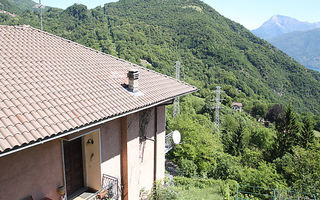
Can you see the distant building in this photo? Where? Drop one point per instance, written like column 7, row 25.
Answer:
column 237, row 106
column 8, row 13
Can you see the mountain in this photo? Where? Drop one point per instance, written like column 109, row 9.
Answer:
column 19, row 6
column 302, row 46
column 278, row 25
column 213, row 49
column 23, row 4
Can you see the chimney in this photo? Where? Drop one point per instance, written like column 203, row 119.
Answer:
column 133, row 76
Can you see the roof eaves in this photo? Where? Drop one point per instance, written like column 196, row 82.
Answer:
column 87, row 126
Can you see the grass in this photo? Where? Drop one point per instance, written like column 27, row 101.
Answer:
column 198, row 193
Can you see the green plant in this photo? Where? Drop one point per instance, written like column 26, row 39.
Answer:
column 161, row 192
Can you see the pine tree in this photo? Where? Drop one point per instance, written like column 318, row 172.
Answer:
column 307, row 134
column 287, row 132
column 237, row 141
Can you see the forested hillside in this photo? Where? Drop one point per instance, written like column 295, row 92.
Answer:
column 282, row 153
column 304, row 46
column 17, row 6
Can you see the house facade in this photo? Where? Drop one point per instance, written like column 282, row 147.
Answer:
column 236, row 106
column 73, row 125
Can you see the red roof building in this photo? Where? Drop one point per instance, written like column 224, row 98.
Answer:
column 237, row 106
column 62, row 103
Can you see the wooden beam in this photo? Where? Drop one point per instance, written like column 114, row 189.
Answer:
column 124, row 158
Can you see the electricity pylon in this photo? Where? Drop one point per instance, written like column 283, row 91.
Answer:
column 176, row 104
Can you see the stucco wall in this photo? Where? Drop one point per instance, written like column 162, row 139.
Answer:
column 161, row 143
column 36, row 171
column 111, row 149
column 141, row 154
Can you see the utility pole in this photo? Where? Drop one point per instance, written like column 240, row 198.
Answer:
column 40, row 6
column 176, row 104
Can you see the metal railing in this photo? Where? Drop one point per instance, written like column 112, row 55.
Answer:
column 109, row 191
column 245, row 192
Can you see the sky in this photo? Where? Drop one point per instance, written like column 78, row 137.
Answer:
column 250, row 13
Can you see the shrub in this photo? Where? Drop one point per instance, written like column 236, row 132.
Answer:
column 188, row 168
column 161, row 192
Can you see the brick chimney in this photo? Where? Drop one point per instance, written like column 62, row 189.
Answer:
column 133, row 77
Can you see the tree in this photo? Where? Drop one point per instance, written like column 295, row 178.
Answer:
column 301, row 168
column 287, row 132
column 307, row 134
column 259, row 110
column 233, row 140
column 78, row 11
column 237, row 140
column 274, row 113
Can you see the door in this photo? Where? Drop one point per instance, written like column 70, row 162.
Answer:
column 92, row 160
column 73, row 165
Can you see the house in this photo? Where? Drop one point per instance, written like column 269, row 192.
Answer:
column 8, row 13
column 237, row 106
column 74, row 121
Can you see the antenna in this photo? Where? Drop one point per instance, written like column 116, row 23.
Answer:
column 40, row 6
column 176, row 104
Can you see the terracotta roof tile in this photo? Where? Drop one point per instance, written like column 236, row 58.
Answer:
column 49, row 85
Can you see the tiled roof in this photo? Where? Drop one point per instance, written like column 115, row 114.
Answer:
column 236, row 104
column 50, row 85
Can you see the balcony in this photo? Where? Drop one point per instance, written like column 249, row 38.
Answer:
column 110, row 190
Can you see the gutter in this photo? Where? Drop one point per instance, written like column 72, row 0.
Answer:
column 90, row 125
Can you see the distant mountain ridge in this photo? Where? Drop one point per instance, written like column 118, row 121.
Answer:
column 278, row 25
column 304, row 46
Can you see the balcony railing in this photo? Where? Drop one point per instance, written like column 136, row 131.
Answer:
column 109, row 191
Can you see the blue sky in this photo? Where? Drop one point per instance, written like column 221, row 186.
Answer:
column 250, row 13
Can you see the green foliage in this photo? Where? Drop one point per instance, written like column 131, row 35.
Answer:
column 233, row 140
column 274, row 113
column 307, row 133
column 215, row 188
column 161, row 192
column 301, row 169
column 227, row 167
column 287, row 132
column 262, row 138
column 251, row 158
column 78, row 11
column 188, row 168
column 259, row 110
column 265, row 175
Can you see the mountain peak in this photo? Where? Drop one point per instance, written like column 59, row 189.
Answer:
column 279, row 24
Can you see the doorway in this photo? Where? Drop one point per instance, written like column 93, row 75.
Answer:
column 73, row 163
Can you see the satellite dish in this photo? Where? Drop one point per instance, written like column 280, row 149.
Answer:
column 172, row 139
column 176, row 137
